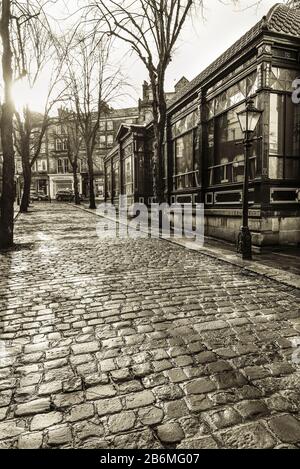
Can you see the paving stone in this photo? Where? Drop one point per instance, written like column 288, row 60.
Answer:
column 200, row 386
column 252, row 409
column 120, row 375
column 251, row 436
column 205, row 357
column 141, row 370
column 108, row 406
column 139, row 399
column 230, row 379
column 150, row 415
column 50, row 388
column 199, row 403
column 100, row 392
column 88, row 347
column 33, row 407
column 211, row 326
column 11, row 428
column 176, row 409
column 286, row 427
column 121, row 422
column 30, row 440
column 136, row 440
column 41, row 421
column 3, row 413
column 222, row 418
column 218, row 367
column 170, row 433
column 80, row 412
column 84, row 430
column 176, row 375
column 199, row 443
column 68, row 399
column 59, row 435
column 168, row 392
column 129, row 387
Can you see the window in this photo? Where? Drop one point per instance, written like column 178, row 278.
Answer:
column 110, row 125
column 102, row 126
column 225, row 150
column 127, row 170
column 61, row 144
column 110, row 140
column 227, row 133
column 185, row 166
column 43, row 147
column 102, row 141
column 281, row 79
column 233, row 95
column 63, row 165
column 115, row 178
column 284, row 139
column 41, row 166
column 108, row 180
column 185, row 124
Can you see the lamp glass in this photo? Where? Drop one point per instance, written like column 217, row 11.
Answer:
column 249, row 118
column 253, row 118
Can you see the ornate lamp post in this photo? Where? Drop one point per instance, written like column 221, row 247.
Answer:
column 248, row 120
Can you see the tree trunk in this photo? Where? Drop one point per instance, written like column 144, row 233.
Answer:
column 91, row 180
column 75, row 179
column 8, row 183
column 27, row 183
column 159, row 121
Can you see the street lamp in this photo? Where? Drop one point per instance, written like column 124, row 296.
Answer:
column 248, row 119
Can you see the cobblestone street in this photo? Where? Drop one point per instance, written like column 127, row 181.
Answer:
column 140, row 344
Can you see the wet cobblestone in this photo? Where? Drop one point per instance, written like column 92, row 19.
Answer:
column 115, row 343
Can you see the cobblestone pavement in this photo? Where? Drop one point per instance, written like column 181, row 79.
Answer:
column 140, row 344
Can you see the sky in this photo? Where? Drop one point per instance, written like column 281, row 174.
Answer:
column 202, row 40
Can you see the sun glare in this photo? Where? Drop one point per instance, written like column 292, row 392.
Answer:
column 35, row 97
column 22, row 94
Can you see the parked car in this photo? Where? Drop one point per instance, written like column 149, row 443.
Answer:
column 34, row 195
column 65, row 196
column 42, row 196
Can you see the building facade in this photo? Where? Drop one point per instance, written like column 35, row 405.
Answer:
column 52, row 171
column 204, row 152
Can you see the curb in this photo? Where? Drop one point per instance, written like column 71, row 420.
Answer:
column 277, row 275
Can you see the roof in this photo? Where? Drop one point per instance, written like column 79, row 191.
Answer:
column 281, row 19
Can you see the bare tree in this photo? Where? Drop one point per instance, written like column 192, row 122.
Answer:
column 7, row 111
column 15, row 17
column 151, row 28
column 29, row 134
column 29, row 63
column 92, row 83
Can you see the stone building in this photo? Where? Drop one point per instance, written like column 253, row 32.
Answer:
column 204, row 154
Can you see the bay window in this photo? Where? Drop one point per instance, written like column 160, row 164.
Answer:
column 284, row 137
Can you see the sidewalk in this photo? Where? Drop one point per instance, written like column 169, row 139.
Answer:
column 280, row 264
